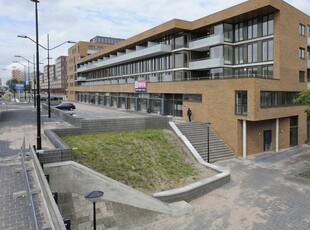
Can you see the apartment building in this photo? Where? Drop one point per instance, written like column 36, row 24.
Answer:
column 59, row 83
column 238, row 69
column 17, row 74
column 83, row 49
column 44, row 77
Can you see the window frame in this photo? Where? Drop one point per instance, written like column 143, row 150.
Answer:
column 302, row 53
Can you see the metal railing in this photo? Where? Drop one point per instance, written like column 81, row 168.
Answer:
column 29, row 200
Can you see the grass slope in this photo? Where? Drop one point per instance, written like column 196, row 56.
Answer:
column 143, row 159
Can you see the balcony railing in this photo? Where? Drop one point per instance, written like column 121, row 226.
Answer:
column 205, row 42
column 139, row 53
column 206, row 63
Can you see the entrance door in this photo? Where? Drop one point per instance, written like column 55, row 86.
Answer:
column 293, row 131
column 267, row 140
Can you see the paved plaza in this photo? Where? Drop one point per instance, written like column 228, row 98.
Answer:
column 263, row 192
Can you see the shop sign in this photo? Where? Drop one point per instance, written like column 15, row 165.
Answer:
column 141, row 86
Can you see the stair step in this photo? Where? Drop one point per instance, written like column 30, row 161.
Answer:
column 197, row 133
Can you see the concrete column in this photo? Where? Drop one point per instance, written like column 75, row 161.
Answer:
column 277, row 135
column 244, row 138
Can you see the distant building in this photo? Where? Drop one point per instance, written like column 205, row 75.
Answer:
column 44, row 77
column 82, row 49
column 16, row 74
column 59, row 83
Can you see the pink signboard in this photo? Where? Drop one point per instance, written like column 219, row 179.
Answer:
column 141, row 86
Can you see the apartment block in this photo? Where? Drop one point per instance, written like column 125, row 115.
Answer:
column 59, row 83
column 44, row 77
column 83, row 49
column 238, row 69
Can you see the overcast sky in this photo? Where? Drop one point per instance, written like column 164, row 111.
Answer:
column 79, row 20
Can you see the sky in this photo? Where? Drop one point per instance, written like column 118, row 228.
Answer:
column 77, row 20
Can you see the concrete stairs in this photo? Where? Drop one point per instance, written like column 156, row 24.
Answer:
column 197, row 135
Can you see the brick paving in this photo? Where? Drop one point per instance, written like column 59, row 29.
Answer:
column 259, row 196
column 18, row 121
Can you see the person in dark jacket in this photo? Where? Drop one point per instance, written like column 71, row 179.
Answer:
column 189, row 114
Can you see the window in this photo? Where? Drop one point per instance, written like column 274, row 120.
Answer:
column 252, row 53
column 239, row 55
column 192, row 97
column 302, row 29
column 241, row 102
column 267, row 71
column 309, row 31
column 268, row 50
column 239, row 32
column 301, row 53
column 301, row 76
column 277, row 99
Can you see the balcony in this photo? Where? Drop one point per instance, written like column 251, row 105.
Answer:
column 81, row 79
column 140, row 53
column 202, row 44
column 206, row 64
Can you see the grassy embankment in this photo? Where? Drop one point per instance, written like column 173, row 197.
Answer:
column 146, row 160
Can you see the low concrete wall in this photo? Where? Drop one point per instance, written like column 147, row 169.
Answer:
column 51, row 205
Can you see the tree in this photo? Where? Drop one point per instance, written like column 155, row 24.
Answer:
column 303, row 98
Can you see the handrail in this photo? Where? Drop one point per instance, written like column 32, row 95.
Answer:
column 30, row 204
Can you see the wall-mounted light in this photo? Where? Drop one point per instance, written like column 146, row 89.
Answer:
column 258, row 133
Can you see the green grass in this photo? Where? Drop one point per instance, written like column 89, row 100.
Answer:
column 305, row 175
column 144, row 159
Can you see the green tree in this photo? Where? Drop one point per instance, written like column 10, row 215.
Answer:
column 303, row 98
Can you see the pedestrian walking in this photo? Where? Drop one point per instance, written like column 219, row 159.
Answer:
column 189, row 114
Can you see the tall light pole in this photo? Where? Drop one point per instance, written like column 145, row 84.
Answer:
column 48, row 49
column 39, row 140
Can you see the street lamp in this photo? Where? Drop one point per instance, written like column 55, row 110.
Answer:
column 93, row 197
column 39, row 140
column 208, row 143
column 48, row 66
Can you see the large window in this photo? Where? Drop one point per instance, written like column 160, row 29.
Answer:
column 192, row 97
column 267, row 25
column 239, row 55
column 277, row 99
column 252, row 53
column 241, row 103
column 268, row 50
column 239, row 32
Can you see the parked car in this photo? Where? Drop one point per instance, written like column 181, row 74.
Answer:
column 65, row 106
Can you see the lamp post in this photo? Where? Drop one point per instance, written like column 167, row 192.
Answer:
column 48, row 49
column 39, row 140
column 93, row 197
column 208, row 143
